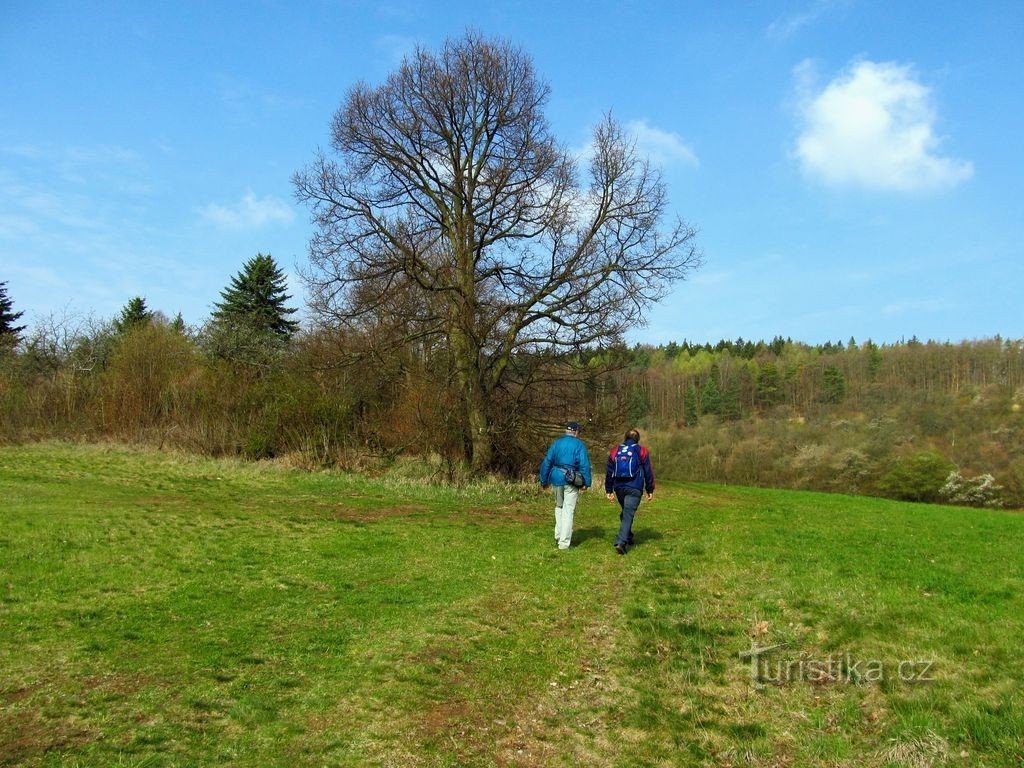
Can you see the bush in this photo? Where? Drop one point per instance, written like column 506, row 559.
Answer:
column 143, row 380
column 920, row 477
column 751, row 462
column 810, row 465
column 851, row 470
column 980, row 491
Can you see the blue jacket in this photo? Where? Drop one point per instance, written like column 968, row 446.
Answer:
column 566, row 452
column 644, row 480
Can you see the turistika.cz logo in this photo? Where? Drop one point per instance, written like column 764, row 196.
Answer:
column 769, row 667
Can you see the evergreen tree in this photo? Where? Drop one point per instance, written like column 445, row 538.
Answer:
column 9, row 332
column 691, row 406
column 256, row 299
column 638, row 406
column 710, row 394
column 834, row 384
column 874, row 360
column 731, row 406
column 133, row 315
column 768, row 385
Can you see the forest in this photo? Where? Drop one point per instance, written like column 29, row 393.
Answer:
column 915, row 420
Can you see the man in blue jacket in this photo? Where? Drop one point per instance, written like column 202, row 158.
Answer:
column 567, row 453
column 627, row 475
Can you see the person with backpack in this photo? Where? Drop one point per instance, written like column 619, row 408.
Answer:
column 627, row 476
column 566, row 466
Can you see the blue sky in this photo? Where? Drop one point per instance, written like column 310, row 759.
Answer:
column 854, row 167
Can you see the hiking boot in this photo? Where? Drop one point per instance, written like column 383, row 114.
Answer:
column 620, row 548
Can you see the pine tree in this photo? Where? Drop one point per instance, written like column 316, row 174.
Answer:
column 874, row 360
column 638, row 406
column 133, row 315
column 256, row 299
column 9, row 332
column 768, row 385
column 731, row 406
column 710, row 394
column 691, row 406
column 834, row 385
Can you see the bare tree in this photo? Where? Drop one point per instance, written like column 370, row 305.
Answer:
column 447, row 188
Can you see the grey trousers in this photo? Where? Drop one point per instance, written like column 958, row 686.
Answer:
column 566, row 497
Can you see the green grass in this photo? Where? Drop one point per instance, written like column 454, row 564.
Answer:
column 164, row 610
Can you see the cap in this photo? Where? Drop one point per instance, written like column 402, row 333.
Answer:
column 572, row 426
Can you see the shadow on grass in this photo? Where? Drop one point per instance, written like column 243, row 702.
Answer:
column 642, row 537
column 586, row 534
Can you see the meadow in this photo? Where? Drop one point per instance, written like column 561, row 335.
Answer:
column 163, row 609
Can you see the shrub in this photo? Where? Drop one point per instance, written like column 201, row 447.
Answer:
column 811, row 465
column 851, row 470
column 143, row 379
column 706, row 461
column 751, row 462
column 980, row 491
column 920, row 477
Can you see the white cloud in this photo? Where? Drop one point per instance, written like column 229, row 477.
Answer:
column 913, row 307
column 713, row 278
column 23, row 151
column 664, row 148
column 873, row 126
column 17, row 226
column 394, row 48
column 98, row 165
column 102, row 154
column 785, row 27
column 248, row 213
column 240, row 95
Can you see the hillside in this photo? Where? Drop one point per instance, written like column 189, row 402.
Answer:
column 163, row 609
column 917, row 421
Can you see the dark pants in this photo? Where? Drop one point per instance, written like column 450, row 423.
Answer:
column 629, row 500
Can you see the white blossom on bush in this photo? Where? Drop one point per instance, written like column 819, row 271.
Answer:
column 980, row 491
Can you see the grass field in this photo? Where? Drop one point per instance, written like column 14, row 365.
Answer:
column 164, row 610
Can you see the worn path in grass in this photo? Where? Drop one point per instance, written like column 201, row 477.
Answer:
column 164, row 610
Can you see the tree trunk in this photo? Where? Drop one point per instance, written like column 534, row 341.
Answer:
column 481, row 440
column 478, row 442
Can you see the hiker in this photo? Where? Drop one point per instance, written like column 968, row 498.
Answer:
column 628, row 474
column 566, row 466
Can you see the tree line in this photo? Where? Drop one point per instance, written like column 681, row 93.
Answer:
column 927, row 421
column 923, row 421
column 249, row 382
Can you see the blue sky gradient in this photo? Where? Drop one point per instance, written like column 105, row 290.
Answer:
column 854, row 167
